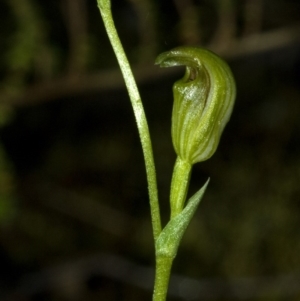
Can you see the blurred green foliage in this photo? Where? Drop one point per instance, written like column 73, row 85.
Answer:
column 72, row 176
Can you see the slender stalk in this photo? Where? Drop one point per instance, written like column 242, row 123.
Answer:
column 179, row 185
column 162, row 277
column 105, row 10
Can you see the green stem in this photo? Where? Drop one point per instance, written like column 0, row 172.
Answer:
column 105, row 10
column 179, row 185
column 162, row 277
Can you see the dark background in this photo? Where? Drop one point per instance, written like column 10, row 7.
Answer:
column 74, row 213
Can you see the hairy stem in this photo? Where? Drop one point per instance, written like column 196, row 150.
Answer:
column 162, row 277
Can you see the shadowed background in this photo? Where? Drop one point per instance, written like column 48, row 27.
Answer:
column 74, row 212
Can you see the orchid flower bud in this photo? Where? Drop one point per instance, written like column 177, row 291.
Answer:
column 203, row 101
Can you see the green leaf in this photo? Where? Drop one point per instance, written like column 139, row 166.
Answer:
column 169, row 239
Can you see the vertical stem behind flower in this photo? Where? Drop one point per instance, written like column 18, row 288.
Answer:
column 105, row 10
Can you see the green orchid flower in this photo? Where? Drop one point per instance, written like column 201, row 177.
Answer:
column 203, row 101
